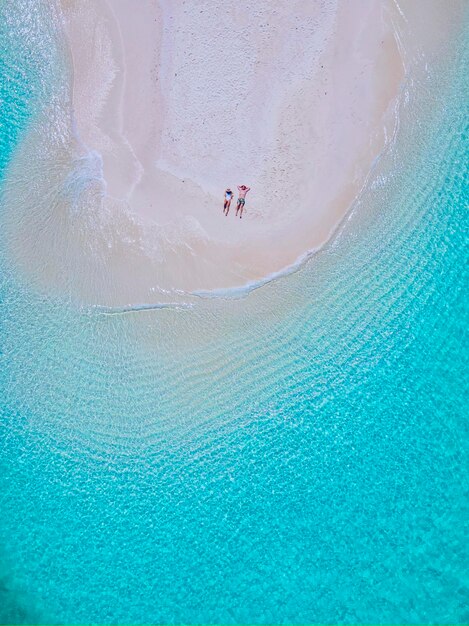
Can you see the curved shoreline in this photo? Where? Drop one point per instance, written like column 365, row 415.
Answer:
column 159, row 237
column 242, row 291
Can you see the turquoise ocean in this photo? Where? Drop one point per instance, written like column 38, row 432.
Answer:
column 296, row 455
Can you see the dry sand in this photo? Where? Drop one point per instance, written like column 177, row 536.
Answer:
column 182, row 100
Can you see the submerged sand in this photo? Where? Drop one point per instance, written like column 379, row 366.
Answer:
column 171, row 102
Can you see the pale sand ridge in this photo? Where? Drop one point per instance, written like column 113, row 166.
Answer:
column 288, row 99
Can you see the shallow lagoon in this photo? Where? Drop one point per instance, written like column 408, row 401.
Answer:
column 296, row 455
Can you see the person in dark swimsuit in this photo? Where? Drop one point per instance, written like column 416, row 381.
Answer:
column 228, row 198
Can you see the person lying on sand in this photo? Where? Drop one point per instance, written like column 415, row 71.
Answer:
column 228, row 198
column 241, row 199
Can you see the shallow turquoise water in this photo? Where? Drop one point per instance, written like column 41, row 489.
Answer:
column 296, row 456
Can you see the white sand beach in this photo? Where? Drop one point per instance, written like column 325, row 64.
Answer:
column 176, row 101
